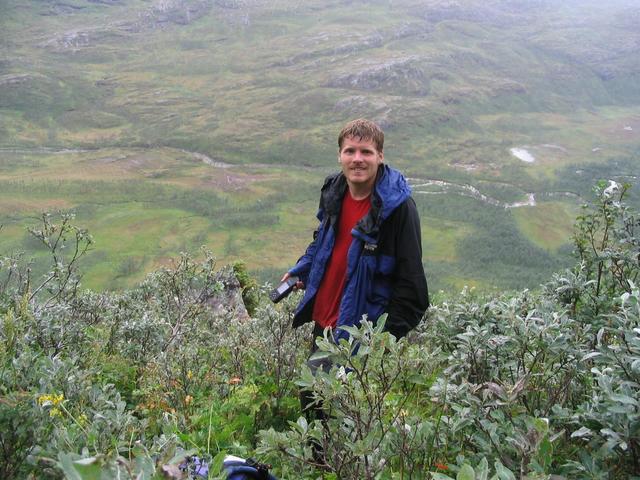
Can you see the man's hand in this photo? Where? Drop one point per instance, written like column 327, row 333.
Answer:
column 297, row 286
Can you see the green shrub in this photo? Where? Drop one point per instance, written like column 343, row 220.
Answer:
column 122, row 384
column 250, row 290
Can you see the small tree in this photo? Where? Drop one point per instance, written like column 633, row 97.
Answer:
column 608, row 249
column 370, row 397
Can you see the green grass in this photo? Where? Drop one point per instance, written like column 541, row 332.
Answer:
column 439, row 239
column 548, row 224
column 148, row 236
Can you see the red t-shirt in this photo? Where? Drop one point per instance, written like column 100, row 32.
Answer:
column 327, row 303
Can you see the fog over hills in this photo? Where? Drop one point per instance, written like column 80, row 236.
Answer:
column 225, row 112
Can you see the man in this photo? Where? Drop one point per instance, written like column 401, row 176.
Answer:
column 366, row 256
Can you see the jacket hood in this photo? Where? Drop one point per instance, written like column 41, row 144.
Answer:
column 390, row 191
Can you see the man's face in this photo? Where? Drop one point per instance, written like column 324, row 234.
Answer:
column 359, row 159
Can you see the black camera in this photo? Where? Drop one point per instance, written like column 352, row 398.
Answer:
column 283, row 289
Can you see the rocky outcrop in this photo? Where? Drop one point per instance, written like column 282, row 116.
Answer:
column 169, row 12
column 77, row 39
column 497, row 15
column 372, row 41
column 363, row 106
column 15, row 79
column 376, row 40
column 161, row 14
column 370, row 106
column 107, row 2
column 61, row 8
column 228, row 300
column 72, row 39
column 353, row 102
column 230, row 4
column 507, row 87
column 407, row 30
column 402, row 75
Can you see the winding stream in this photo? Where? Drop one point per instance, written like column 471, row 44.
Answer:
column 417, row 184
column 466, row 190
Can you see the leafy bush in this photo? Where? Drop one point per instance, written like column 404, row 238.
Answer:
column 524, row 376
column 127, row 385
column 371, row 397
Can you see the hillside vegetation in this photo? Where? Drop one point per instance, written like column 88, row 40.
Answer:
column 134, row 384
column 166, row 125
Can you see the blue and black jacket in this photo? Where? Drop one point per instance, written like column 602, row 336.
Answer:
column 384, row 261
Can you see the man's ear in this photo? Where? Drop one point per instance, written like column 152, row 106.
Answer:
column 381, row 156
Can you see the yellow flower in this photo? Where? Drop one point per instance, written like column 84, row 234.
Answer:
column 82, row 420
column 189, row 375
column 50, row 400
column 188, row 399
column 55, row 412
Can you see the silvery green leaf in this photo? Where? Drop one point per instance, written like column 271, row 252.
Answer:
column 81, row 469
column 610, row 433
column 440, row 476
column 380, row 323
column 582, row 432
column 364, row 350
column 319, row 355
column 503, row 472
column 495, row 388
column 66, row 465
column 482, row 469
column 591, row 355
column 302, row 423
column 624, row 399
column 353, row 331
column 292, row 452
column 621, row 408
column 217, row 462
column 466, row 473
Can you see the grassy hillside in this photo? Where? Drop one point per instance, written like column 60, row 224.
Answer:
column 167, row 125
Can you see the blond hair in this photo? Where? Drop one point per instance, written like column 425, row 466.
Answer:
column 362, row 129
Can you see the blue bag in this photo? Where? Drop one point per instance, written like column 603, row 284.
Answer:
column 249, row 469
column 236, row 468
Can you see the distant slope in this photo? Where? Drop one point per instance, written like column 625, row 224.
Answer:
column 455, row 85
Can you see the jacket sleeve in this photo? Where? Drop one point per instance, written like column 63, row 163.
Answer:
column 410, row 295
column 303, row 265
